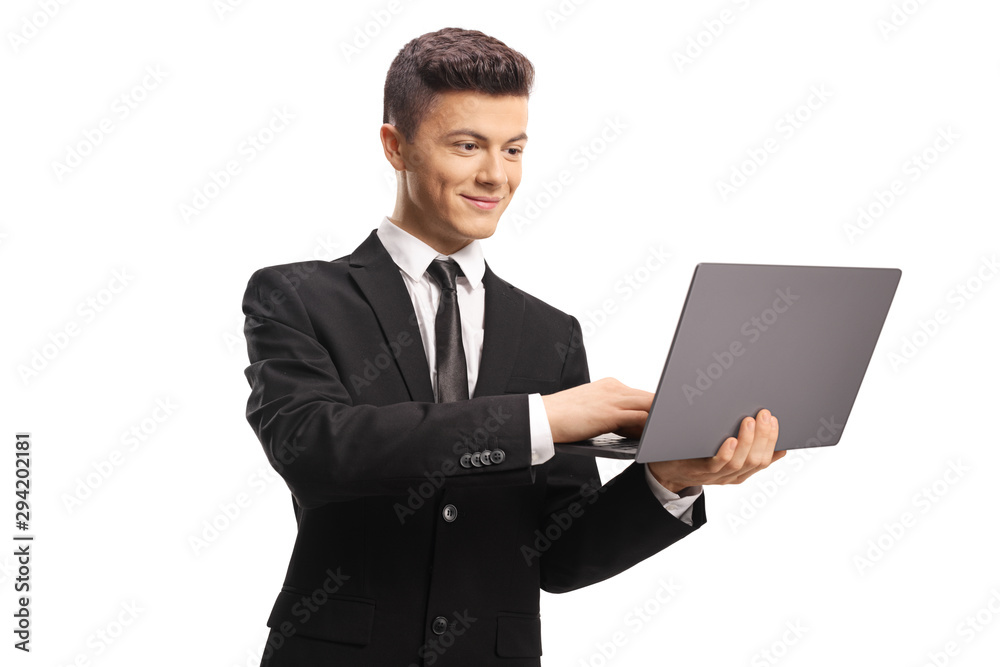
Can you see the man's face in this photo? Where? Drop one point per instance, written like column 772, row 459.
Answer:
column 461, row 169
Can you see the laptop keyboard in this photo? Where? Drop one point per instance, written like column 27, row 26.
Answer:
column 615, row 443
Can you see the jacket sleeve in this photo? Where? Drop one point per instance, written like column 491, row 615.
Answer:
column 328, row 449
column 596, row 531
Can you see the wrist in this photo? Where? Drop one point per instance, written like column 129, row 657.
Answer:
column 673, row 487
column 551, row 409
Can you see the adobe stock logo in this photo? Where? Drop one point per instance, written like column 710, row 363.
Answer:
column 87, row 310
column 711, row 30
column 787, row 127
column 768, row 488
column 607, row 651
column 218, row 180
column 752, row 329
column 371, row 29
column 121, row 108
column 32, row 24
column 913, row 168
column 373, row 367
column 926, row 499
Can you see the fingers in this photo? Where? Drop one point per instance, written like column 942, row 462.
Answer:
column 737, row 458
column 754, row 450
column 744, row 476
column 748, row 434
column 717, row 463
column 621, row 398
column 596, row 407
column 639, row 400
column 633, row 419
column 625, row 397
column 765, row 434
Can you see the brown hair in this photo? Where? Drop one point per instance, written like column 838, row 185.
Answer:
column 450, row 59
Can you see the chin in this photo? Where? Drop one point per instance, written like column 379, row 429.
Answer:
column 483, row 230
column 478, row 228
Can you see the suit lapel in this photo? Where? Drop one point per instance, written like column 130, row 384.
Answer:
column 373, row 270
column 377, row 276
column 503, row 317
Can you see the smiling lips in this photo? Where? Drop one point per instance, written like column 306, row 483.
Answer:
column 485, row 203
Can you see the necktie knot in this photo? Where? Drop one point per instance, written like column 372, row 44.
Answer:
column 444, row 272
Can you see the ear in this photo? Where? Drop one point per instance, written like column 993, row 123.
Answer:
column 392, row 145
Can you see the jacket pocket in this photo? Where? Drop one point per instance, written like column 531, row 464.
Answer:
column 339, row 619
column 519, row 635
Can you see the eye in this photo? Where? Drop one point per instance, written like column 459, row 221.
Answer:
column 517, row 151
column 467, row 143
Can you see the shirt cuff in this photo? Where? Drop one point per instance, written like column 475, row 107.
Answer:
column 677, row 504
column 542, row 448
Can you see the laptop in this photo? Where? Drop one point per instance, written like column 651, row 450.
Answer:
column 796, row 340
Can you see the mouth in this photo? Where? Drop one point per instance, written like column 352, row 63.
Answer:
column 484, row 203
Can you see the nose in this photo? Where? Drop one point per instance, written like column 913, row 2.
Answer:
column 493, row 169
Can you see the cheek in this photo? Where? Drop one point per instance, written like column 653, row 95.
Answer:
column 425, row 189
column 440, row 183
column 514, row 178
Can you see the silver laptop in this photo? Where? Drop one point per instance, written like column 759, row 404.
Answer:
column 796, row 340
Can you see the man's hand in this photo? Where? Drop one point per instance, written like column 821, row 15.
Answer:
column 592, row 409
column 737, row 459
column 607, row 406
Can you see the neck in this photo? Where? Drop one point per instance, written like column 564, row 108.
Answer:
column 445, row 246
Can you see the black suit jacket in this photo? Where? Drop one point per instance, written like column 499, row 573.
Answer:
column 407, row 553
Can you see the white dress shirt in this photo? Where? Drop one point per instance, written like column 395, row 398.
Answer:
column 413, row 256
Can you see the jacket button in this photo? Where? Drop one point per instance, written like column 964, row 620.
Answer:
column 450, row 513
column 439, row 625
column 497, row 456
column 466, row 460
column 484, row 457
column 475, row 460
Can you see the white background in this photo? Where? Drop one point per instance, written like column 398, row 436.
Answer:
column 894, row 76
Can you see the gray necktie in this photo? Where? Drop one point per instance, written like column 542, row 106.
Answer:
column 452, row 374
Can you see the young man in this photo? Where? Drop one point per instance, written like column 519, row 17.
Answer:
column 411, row 405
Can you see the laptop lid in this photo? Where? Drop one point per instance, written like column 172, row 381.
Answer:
column 796, row 340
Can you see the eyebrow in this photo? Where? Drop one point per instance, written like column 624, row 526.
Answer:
column 476, row 135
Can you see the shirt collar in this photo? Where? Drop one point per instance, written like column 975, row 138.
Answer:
column 413, row 256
